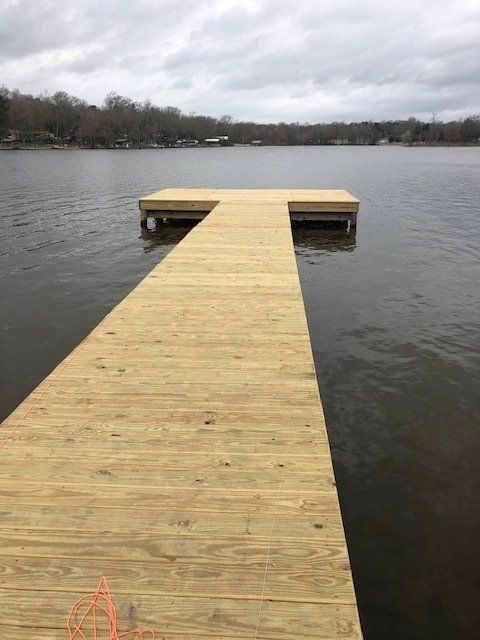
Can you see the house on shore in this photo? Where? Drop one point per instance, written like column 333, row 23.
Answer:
column 219, row 141
column 40, row 137
column 122, row 143
column 15, row 137
column 11, row 140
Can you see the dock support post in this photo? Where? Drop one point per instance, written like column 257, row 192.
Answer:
column 143, row 219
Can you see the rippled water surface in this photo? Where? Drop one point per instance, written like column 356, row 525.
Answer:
column 394, row 317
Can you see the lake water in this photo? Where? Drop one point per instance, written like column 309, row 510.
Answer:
column 394, row 317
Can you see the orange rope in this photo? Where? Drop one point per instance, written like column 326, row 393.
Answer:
column 95, row 605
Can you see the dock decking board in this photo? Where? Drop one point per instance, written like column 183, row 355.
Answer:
column 181, row 451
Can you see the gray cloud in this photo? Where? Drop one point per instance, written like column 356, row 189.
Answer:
column 266, row 60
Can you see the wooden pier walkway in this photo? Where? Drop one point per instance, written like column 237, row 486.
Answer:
column 180, row 450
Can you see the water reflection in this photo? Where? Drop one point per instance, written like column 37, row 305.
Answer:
column 319, row 236
column 169, row 232
column 323, row 237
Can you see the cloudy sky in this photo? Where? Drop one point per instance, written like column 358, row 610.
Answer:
column 264, row 60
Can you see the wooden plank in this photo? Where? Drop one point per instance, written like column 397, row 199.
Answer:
column 179, row 205
column 113, row 472
column 129, row 431
column 148, row 498
column 39, row 633
column 186, row 461
column 27, row 633
column 181, row 451
column 152, row 548
column 323, row 582
column 188, row 521
column 326, row 207
column 186, row 615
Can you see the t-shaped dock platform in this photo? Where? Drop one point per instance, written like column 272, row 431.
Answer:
column 324, row 205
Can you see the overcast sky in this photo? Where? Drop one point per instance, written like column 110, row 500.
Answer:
column 263, row 60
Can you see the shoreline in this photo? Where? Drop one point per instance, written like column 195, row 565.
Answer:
column 393, row 144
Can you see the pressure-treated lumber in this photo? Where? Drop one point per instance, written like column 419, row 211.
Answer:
column 305, row 205
column 181, row 451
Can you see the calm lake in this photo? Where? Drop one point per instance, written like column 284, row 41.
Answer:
column 394, row 315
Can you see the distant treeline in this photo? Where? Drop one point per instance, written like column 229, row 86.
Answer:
column 65, row 119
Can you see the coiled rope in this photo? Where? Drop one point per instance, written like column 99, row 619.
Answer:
column 89, row 609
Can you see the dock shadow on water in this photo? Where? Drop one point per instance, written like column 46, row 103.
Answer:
column 169, row 232
column 323, row 236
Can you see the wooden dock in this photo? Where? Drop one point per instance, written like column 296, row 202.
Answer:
column 327, row 205
column 180, row 450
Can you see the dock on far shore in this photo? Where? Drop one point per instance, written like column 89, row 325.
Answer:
column 181, row 450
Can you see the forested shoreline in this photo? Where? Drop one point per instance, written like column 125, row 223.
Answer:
column 63, row 119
